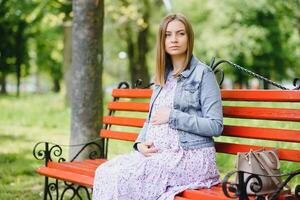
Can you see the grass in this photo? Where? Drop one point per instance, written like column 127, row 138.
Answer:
column 23, row 122
column 31, row 118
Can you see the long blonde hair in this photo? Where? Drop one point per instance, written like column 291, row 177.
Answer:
column 162, row 58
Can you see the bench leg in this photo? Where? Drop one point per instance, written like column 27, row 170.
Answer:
column 75, row 190
column 46, row 188
column 50, row 188
column 69, row 191
column 242, row 187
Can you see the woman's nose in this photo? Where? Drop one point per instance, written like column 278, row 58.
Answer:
column 173, row 39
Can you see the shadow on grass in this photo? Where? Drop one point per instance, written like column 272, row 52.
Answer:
column 18, row 178
column 16, row 164
column 10, row 138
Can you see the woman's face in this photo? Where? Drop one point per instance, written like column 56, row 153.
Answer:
column 176, row 38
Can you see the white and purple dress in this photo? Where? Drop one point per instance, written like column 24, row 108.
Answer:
column 162, row 175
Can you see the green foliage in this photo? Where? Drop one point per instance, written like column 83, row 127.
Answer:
column 262, row 35
column 259, row 35
column 31, row 36
column 13, row 37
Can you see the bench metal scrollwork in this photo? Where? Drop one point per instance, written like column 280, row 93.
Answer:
column 239, row 190
column 53, row 152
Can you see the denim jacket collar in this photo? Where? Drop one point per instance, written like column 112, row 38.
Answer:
column 190, row 68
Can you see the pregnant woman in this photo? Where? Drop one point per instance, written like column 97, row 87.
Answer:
column 175, row 149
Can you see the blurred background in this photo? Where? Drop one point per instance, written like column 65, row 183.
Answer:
column 36, row 39
column 36, row 60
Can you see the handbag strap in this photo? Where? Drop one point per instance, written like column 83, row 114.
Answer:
column 266, row 167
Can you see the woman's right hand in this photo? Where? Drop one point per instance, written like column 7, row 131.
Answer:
column 147, row 148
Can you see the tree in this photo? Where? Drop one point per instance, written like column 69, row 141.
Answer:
column 6, row 44
column 132, row 20
column 17, row 15
column 86, row 101
column 13, row 47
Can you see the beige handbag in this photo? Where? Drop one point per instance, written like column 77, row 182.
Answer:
column 264, row 162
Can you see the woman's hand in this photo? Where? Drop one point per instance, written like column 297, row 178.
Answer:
column 147, row 148
column 161, row 116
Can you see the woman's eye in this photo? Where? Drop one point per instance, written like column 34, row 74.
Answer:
column 182, row 33
column 168, row 34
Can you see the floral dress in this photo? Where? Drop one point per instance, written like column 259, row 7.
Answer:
column 162, row 175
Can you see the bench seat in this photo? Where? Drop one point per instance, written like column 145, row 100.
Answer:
column 83, row 172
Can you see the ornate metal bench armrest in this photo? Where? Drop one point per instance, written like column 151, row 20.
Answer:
column 48, row 151
column 239, row 190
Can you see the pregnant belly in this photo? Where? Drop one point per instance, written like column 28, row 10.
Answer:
column 163, row 136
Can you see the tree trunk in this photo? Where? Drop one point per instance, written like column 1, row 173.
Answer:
column 3, row 83
column 137, row 50
column 37, row 81
column 67, row 62
column 142, row 47
column 18, row 75
column 87, row 62
column 56, row 85
column 131, row 52
column 20, row 46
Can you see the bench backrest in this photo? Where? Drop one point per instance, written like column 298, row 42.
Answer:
column 246, row 115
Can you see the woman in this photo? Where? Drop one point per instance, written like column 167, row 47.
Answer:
column 175, row 149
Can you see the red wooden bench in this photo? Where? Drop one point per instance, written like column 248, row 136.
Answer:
column 81, row 174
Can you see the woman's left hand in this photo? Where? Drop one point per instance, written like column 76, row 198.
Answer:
column 161, row 116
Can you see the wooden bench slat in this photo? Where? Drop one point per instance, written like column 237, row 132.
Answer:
column 281, row 114
column 96, row 162
column 262, row 133
column 214, row 193
column 67, row 176
column 128, row 106
column 230, row 148
column 124, row 121
column 132, row 93
column 72, row 167
column 118, row 135
column 81, row 165
column 261, row 95
column 234, row 131
column 233, row 95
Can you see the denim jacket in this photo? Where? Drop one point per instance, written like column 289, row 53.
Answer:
column 197, row 107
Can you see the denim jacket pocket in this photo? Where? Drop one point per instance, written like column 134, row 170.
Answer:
column 191, row 93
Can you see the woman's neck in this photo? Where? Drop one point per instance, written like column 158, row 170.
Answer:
column 178, row 62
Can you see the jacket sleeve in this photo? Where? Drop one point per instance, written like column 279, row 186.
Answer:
column 211, row 123
column 142, row 134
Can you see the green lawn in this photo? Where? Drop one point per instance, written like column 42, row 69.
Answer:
column 31, row 118
column 23, row 122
